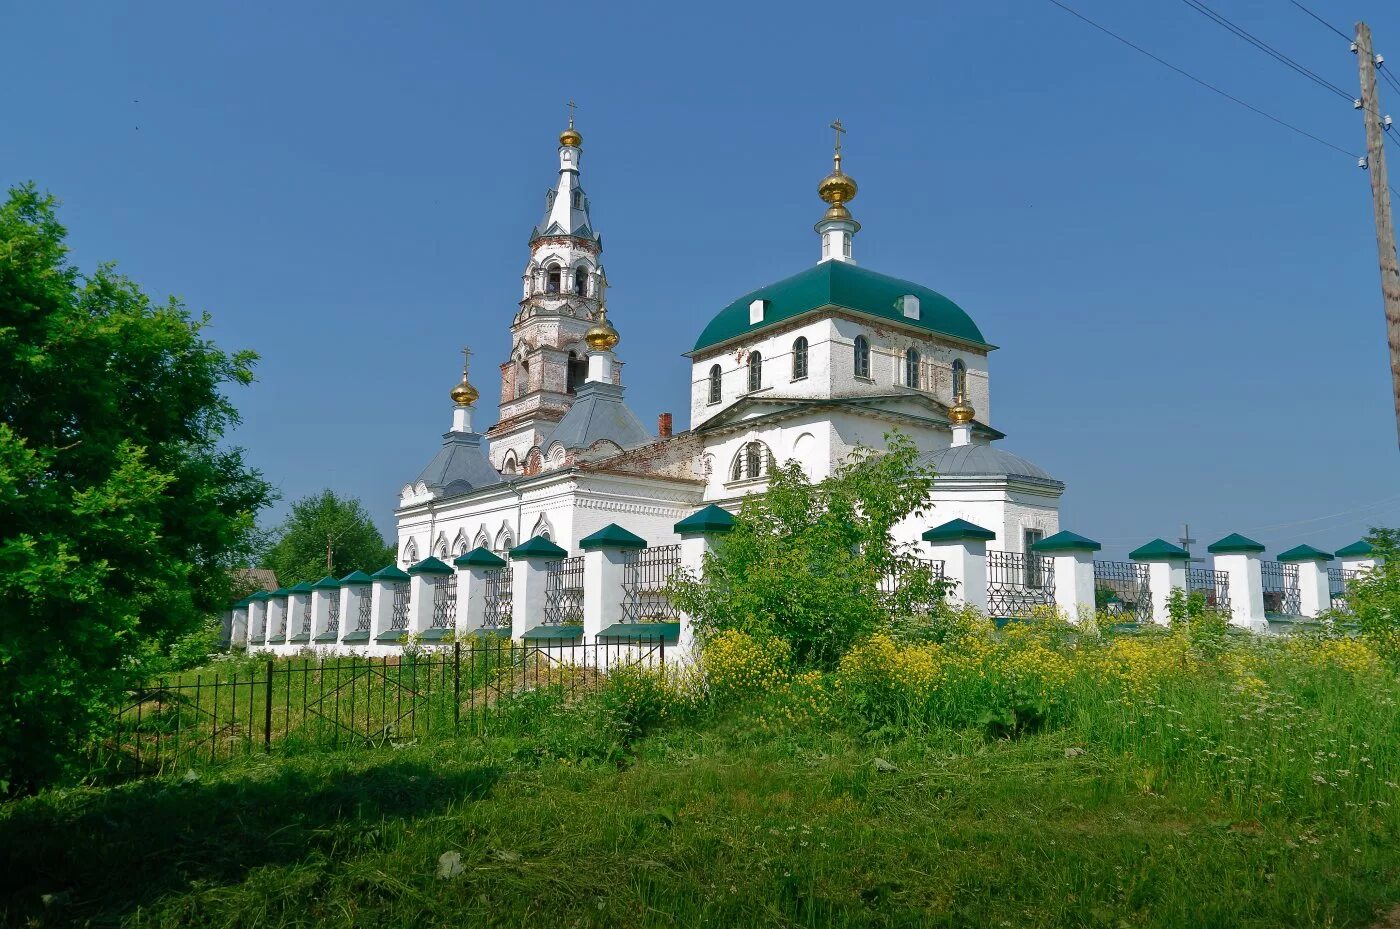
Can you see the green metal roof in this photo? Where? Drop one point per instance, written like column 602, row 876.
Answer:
column 1159, row 550
column 479, row 557
column 389, row 573
column 841, row 284
column 538, row 547
column 261, row 596
column 326, row 583
column 303, row 588
column 959, row 530
column 356, row 577
column 712, row 518
column 1304, row 553
column 1232, row 543
column 1066, row 541
column 279, row 592
column 612, row 536
column 1356, row 550
column 431, row 565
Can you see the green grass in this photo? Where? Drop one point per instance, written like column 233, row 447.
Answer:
column 1207, row 804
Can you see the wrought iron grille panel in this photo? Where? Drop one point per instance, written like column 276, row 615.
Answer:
column 498, row 599
column 1129, row 584
column 333, row 617
column 362, row 622
column 563, row 593
column 1281, row 594
column 398, row 619
column 444, row 602
column 1017, row 584
column 894, row 582
column 306, row 617
column 645, row 574
column 1338, row 580
column 1215, row 585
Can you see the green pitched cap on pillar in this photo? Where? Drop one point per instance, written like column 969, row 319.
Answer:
column 326, row 583
column 1065, row 541
column 959, row 530
column 261, row 596
column 356, row 577
column 1159, row 550
column 431, row 565
column 709, row 519
column 612, row 536
column 1304, row 553
column 389, row 573
column 303, row 588
column 1235, row 544
column 1361, row 549
column 538, row 547
column 479, row 557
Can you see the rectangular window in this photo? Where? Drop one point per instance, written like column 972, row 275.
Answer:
column 1034, row 576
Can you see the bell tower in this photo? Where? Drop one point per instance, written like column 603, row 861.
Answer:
column 561, row 291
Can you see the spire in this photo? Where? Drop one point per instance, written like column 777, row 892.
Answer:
column 566, row 205
column 837, row 226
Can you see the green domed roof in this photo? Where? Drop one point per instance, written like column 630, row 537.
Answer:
column 846, row 286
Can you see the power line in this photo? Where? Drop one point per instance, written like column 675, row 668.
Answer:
column 1206, row 84
column 1267, row 49
column 1345, row 37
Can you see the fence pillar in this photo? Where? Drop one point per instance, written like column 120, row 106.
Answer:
column 529, row 564
column 355, row 588
column 277, row 618
column 963, row 548
column 238, row 625
column 472, row 570
column 424, row 578
column 1166, row 571
column 1314, row 587
column 700, row 532
column 322, row 593
column 1073, row 558
column 298, row 603
column 1358, row 556
column 1238, row 558
column 605, row 554
column 257, row 619
column 382, row 587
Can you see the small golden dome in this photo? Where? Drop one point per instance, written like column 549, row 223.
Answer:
column 961, row 411
column 464, row 394
column 571, row 136
column 837, row 187
column 601, row 336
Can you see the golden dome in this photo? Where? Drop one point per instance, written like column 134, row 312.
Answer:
column 837, row 187
column 601, row 336
column 571, row 136
column 464, row 394
column 961, row 411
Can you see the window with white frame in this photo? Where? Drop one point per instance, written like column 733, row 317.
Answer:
column 799, row 358
column 755, row 370
column 714, row 390
column 862, row 357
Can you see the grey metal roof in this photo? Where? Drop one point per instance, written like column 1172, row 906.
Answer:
column 598, row 413
column 983, row 461
column 459, row 466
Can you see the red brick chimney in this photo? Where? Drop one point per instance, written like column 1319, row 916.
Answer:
column 663, row 425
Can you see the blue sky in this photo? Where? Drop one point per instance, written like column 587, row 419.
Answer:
column 1185, row 295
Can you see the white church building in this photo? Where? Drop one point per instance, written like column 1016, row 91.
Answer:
column 806, row 369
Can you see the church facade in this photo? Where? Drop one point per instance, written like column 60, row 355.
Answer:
column 805, row 369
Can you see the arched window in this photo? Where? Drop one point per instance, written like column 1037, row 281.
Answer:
column 482, row 540
column 714, row 384
column 862, row 356
column 577, row 372
column 752, row 461
column 551, row 279
column 799, row 359
column 410, row 553
column 581, row 281
column 911, row 368
column 522, row 378
column 509, row 466
column 755, row 371
column 577, row 199
column 959, row 378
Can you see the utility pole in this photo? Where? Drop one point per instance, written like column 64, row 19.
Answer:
column 329, row 549
column 1380, row 193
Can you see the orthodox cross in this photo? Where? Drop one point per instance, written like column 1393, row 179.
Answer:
column 466, row 357
column 840, row 130
column 1186, row 542
column 572, row 106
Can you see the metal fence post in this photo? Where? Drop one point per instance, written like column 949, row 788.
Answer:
column 456, row 686
column 267, row 710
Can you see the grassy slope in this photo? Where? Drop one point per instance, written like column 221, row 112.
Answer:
column 709, row 826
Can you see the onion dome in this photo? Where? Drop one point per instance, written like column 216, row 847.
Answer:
column 837, row 188
column 464, row 394
column 601, row 336
column 961, row 411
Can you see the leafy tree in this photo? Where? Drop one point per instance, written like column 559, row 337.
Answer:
column 298, row 552
column 1374, row 598
column 807, row 561
column 120, row 511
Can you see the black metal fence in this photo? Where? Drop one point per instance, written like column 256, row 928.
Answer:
column 466, row 687
column 444, row 602
column 1017, row 584
column 1338, row 581
column 1282, row 596
column 398, row 616
column 1213, row 585
column 563, row 592
column 1124, row 589
column 645, row 574
column 498, row 599
column 913, row 585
